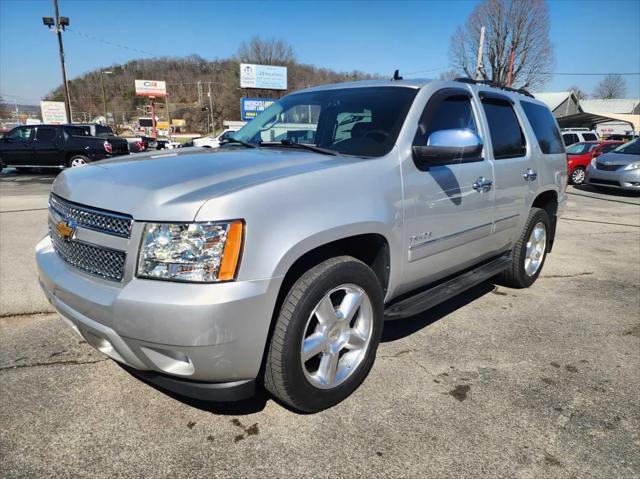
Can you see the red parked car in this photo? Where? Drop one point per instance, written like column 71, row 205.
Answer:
column 579, row 155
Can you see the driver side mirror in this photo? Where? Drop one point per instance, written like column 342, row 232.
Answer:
column 445, row 146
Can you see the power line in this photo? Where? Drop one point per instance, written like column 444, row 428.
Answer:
column 113, row 44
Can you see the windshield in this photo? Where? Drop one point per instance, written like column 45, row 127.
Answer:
column 581, row 148
column 351, row 121
column 631, row 148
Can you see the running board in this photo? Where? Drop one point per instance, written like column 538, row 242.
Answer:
column 433, row 296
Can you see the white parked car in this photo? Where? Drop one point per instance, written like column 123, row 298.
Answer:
column 571, row 136
column 213, row 141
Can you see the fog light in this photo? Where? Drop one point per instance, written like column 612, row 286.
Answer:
column 172, row 362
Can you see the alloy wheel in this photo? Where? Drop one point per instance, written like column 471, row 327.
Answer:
column 535, row 249
column 336, row 336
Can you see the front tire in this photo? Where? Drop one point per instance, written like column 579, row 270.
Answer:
column 78, row 160
column 326, row 335
column 529, row 253
column 578, row 176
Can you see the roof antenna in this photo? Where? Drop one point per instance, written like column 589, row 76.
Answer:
column 396, row 76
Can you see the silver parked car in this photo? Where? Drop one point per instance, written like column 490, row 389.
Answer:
column 276, row 258
column 620, row 168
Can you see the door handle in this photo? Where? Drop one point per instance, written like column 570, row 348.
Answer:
column 530, row 175
column 482, row 185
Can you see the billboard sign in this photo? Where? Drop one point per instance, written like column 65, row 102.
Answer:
column 267, row 77
column 53, row 112
column 251, row 107
column 151, row 88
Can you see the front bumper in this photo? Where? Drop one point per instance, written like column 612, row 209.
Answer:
column 623, row 179
column 177, row 333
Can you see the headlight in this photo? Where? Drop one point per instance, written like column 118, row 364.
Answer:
column 192, row 252
column 593, row 162
column 633, row 166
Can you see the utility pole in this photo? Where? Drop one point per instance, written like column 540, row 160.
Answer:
column 60, row 23
column 480, row 53
column 210, row 107
column 166, row 104
column 104, row 96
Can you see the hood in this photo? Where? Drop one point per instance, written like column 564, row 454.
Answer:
column 612, row 158
column 173, row 187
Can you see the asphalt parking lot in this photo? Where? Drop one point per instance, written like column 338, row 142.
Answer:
column 498, row 383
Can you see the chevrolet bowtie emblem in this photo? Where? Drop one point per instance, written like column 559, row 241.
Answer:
column 65, row 229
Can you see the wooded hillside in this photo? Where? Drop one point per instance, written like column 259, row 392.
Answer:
column 182, row 76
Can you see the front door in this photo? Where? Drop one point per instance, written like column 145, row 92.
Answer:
column 17, row 148
column 45, row 147
column 448, row 217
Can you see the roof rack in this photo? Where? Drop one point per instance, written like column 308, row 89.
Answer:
column 494, row 84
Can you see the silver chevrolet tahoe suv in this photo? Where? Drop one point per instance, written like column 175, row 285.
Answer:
column 275, row 259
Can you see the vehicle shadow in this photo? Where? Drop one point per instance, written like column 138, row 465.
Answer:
column 606, row 191
column 35, row 177
column 398, row 329
column 393, row 331
column 236, row 408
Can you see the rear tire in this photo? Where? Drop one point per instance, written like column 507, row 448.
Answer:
column 78, row 160
column 326, row 335
column 529, row 253
column 578, row 176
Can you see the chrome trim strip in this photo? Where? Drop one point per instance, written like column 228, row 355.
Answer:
column 507, row 217
column 444, row 238
column 60, row 167
column 448, row 242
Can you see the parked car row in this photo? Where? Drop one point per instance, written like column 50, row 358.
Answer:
column 58, row 146
column 64, row 146
column 612, row 164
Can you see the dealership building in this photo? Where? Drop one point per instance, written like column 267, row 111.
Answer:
column 607, row 117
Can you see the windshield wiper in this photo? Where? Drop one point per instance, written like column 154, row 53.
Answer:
column 239, row 142
column 304, row 146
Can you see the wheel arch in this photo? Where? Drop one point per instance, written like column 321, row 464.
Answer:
column 548, row 201
column 370, row 248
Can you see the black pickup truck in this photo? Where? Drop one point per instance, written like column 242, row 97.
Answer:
column 56, row 146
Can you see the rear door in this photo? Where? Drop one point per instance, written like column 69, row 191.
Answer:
column 448, row 217
column 515, row 175
column 45, row 147
column 17, row 147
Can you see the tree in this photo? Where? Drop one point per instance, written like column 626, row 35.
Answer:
column 449, row 75
column 272, row 51
column 578, row 92
column 611, row 86
column 517, row 50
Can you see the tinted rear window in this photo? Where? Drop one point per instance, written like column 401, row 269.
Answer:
column 545, row 127
column 589, row 137
column 506, row 135
column 570, row 138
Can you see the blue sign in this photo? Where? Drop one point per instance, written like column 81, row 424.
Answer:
column 251, row 107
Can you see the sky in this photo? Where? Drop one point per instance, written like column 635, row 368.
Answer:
column 373, row 36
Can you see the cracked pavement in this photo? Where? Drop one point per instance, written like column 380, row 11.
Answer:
column 529, row 383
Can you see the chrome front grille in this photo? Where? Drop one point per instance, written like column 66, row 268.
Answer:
column 606, row 167
column 94, row 219
column 66, row 220
column 96, row 260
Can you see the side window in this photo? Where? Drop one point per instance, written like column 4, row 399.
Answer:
column 46, row 134
column 450, row 113
column 507, row 138
column 544, row 126
column 570, row 138
column 589, row 137
column 20, row 134
column 609, row 147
